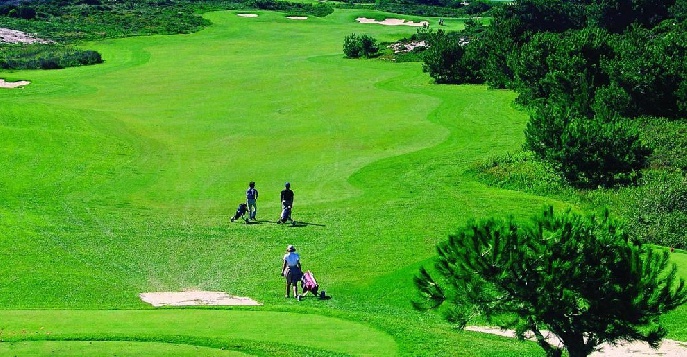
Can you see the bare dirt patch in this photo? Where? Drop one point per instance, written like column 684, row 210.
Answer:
column 392, row 22
column 195, row 298
column 4, row 84
column 15, row 36
column 668, row 348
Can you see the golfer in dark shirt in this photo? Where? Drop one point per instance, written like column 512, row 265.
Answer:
column 251, row 200
column 286, row 196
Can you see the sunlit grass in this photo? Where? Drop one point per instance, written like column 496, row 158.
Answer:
column 120, row 179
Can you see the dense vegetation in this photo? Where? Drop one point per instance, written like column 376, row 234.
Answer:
column 37, row 56
column 594, row 76
column 356, row 46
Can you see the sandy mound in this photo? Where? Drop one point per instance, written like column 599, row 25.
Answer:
column 248, row 15
column 392, row 22
column 190, row 298
column 668, row 348
column 4, row 84
column 15, row 36
column 297, row 17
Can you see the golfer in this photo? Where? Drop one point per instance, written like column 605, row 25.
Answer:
column 251, row 198
column 286, row 196
column 291, row 270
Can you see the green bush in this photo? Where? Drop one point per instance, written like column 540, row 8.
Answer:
column 37, row 56
column 356, row 46
column 589, row 152
column 657, row 211
column 521, row 171
column 449, row 59
column 318, row 10
column 668, row 140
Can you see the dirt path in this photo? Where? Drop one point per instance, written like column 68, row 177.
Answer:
column 668, row 348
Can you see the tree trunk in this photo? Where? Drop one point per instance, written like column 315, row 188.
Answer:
column 551, row 351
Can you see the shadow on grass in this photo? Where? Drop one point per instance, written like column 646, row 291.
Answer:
column 303, row 224
column 289, row 224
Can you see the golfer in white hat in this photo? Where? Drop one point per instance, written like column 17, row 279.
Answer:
column 291, row 270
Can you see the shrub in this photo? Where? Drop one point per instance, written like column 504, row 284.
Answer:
column 351, row 46
column 450, row 59
column 521, row 171
column 589, row 152
column 657, row 211
column 360, row 46
column 668, row 140
column 37, row 56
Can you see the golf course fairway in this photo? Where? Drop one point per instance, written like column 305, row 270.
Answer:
column 120, row 179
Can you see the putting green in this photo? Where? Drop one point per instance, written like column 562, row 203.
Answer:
column 213, row 327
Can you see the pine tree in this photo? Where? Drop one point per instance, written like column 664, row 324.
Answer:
column 581, row 278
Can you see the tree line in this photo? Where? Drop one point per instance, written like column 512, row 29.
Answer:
column 584, row 70
column 604, row 83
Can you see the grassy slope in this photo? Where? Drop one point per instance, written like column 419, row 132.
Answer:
column 120, row 178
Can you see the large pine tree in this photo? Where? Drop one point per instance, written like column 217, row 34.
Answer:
column 580, row 277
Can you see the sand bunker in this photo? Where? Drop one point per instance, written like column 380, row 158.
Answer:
column 668, row 348
column 392, row 22
column 248, row 15
column 297, row 17
column 4, row 84
column 195, row 298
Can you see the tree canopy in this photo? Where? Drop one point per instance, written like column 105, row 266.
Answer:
column 584, row 69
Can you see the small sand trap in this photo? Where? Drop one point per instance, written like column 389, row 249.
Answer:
column 195, row 298
column 668, row 348
column 392, row 22
column 248, row 15
column 297, row 17
column 4, row 84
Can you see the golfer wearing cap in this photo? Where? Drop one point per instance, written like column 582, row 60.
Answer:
column 291, row 270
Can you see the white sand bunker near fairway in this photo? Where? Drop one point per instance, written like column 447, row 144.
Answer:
column 248, row 15
column 194, row 298
column 392, row 22
column 297, row 17
column 668, row 348
column 4, row 84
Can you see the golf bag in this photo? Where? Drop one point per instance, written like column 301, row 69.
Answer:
column 309, row 284
column 240, row 212
column 285, row 215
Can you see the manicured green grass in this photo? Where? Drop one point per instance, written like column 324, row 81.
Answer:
column 110, row 348
column 120, row 179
